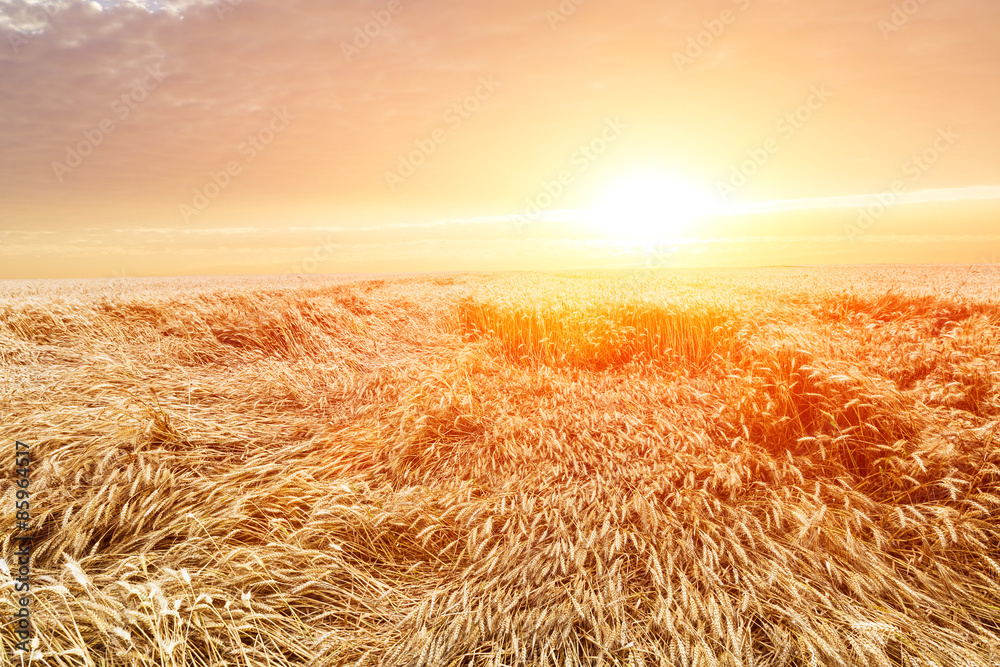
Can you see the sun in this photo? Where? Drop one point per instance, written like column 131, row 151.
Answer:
column 651, row 206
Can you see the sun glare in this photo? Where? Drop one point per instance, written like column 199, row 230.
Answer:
column 652, row 206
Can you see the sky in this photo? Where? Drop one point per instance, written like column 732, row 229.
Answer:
column 165, row 137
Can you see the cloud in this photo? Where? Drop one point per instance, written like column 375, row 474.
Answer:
column 974, row 193
column 226, row 71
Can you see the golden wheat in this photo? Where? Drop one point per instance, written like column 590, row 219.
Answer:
column 710, row 468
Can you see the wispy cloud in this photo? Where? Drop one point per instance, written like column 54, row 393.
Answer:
column 974, row 193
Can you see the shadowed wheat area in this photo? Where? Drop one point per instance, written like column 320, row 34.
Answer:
column 759, row 467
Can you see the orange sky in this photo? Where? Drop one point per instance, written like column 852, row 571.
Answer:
column 259, row 136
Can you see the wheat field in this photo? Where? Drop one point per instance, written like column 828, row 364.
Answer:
column 780, row 466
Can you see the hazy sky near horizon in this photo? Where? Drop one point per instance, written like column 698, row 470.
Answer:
column 177, row 117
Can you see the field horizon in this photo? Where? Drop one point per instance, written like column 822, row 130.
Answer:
column 782, row 465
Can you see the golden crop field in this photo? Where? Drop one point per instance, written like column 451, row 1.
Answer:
column 781, row 466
